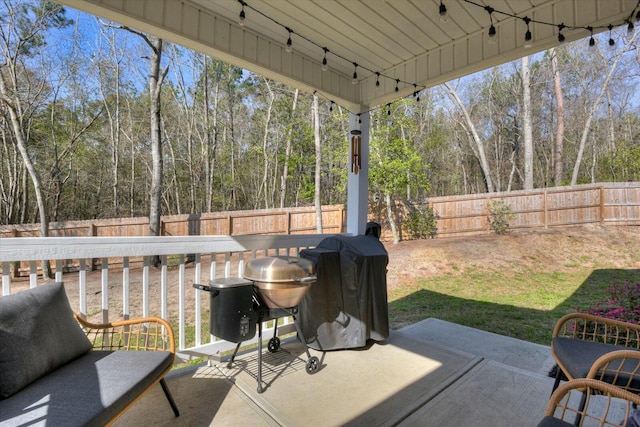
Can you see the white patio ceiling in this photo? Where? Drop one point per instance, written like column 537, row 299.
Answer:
column 400, row 39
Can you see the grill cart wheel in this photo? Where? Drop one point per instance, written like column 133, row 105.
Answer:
column 274, row 344
column 312, row 365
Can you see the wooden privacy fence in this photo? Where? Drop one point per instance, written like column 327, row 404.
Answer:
column 231, row 223
column 604, row 203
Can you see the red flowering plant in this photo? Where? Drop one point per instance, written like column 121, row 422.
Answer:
column 622, row 303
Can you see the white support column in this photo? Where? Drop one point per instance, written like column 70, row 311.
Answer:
column 358, row 184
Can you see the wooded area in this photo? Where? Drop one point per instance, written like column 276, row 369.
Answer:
column 100, row 121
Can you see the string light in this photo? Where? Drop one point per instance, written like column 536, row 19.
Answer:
column 527, row 35
column 444, row 18
column 492, row 39
column 325, row 66
column 612, row 42
column 560, row 35
column 492, row 29
column 592, row 41
column 289, row 47
column 331, row 107
column 388, row 109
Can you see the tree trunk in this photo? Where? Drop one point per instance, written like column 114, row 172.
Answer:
column 316, row 135
column 155, row 82
column 265, row 154
column 526, row 124
column 287, row 152
column 558, row 163
column 392, row 221
column 484, row 164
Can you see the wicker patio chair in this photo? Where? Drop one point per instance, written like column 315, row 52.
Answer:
column 140, row 334
column 587, row 346
column 589, row 402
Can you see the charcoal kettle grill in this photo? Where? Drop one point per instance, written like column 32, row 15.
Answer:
column 271, row 288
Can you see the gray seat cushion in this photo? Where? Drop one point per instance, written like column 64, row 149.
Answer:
column 38, row 333
column 549, row 421
column 88, row 391
column 578, row 356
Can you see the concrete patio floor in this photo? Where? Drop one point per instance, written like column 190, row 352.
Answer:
column 432, row 373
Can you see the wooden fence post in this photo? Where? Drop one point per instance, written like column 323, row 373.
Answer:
column 602, row 204
column 545, row 206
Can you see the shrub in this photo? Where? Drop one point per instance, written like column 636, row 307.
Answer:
column 499, row 216
column 421, row 220
column 622, row 303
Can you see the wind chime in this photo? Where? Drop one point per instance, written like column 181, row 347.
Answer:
column 356, row 147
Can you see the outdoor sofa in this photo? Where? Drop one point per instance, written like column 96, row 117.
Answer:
column 58, row 370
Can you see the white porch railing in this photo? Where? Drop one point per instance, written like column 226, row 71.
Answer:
column 165, row 291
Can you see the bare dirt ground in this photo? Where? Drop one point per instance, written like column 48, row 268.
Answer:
column 557, row 249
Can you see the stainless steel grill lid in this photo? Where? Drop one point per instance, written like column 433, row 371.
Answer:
column 278, row 269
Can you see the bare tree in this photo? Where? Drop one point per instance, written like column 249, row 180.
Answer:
column 318, row 168
column 22, row 34
column 594, row 106
column 558, row 160
column 526, row 123
column 287, row 150
column 473, row 137
column 156, row 78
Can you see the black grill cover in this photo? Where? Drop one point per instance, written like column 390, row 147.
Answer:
column 348, row 303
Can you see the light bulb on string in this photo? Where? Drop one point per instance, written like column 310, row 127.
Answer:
column 325, row 66
column 612, row 42
column 492, row 29
column 444, row 17
column 527, row 35
column 592, row 41
column 242, row 17
column 354, row 80
column 492, row 35
column 377, row 79
column 561, row 37
column 331, row 107
column 397, row 83
column 289, row 47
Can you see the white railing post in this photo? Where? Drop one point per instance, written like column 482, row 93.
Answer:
column 126, row 301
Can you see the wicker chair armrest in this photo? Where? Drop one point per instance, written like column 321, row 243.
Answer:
column 588, row 327
column 620, row 367
column 562, row 407
column 141, row 334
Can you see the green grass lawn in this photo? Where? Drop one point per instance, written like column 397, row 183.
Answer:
column 522, row 305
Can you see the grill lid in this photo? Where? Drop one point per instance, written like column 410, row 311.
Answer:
column 278, row 269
